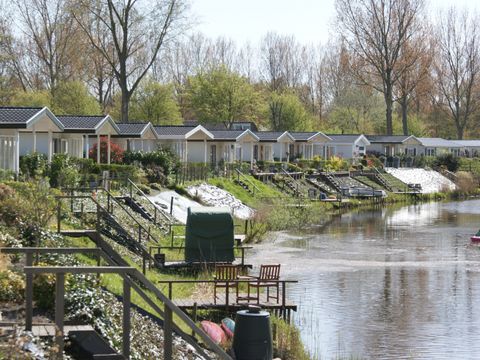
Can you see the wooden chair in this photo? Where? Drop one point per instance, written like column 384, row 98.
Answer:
column 223, row 273
column 267, row 273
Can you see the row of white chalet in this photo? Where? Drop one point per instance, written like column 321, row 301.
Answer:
column 25, row 130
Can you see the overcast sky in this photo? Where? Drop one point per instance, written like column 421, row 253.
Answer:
column 310, row 21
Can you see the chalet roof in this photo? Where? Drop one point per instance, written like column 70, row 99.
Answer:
column 439, row 142
column 81, row 122
column 468, row 143
column 269, row 135
column 226, row 134
column 17, row 116
column 173, row 130
column 344, row 138
column 132, row 129
column 387, row 139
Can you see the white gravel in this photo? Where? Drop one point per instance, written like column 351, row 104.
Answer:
column 214, row 196
column 431, row 181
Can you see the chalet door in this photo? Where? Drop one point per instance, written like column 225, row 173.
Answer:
column 213, row 154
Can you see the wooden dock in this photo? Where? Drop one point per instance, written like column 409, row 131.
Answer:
column 228, row 301
column 44, row 330
column 207, row 302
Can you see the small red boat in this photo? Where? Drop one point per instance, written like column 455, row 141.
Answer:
column 475, row 238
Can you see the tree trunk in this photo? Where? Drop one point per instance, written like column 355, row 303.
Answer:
column 459, row 132
column 389, row 103
column 404, row 105
column 388, row 113
column 125, row 104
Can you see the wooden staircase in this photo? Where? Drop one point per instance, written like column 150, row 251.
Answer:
column 136, row 199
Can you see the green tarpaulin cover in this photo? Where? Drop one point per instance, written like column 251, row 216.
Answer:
column 209, row 235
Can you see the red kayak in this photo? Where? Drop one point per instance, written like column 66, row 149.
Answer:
column 214, row 331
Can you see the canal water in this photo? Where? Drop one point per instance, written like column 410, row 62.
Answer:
column 392, row 283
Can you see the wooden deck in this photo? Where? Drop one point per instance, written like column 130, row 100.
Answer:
column 45, row 330
column 207, row 302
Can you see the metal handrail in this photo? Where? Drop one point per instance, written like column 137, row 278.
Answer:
column 145, row 253
column 110, row 196
column 240, row 173
column 156, row 210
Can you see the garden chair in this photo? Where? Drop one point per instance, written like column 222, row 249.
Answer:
column 265, row 277
column 223, row 274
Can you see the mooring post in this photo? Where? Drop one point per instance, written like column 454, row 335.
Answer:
column 59, row 313
column 167, row 334
column 28, row 293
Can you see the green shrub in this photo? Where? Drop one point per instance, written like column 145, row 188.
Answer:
column 44, row 290
column 12, row 286
column 63, row 171
column 163, row 158
column 448, row 161
column 144, row 188
column 33, row 165
column 287, row 343
column 336, row 163
column 6, row 175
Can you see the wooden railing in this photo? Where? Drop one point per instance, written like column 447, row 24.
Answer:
column 153, row 208
column 247, row 180
column 152, row 249
column 144, row 235
column 132, row 278
column 246, row 279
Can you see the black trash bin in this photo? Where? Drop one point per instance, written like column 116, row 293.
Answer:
column 252, row 339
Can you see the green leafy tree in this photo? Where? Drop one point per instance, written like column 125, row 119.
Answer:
column 288, row 113
column 155, row 102
column 73, row 98
column 32, row 98
column 222, row 96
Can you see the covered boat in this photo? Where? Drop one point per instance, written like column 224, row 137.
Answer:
column 209, row 235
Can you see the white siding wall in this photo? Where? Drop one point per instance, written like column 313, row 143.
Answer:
column 196, row 151
column 26, row 143
column 7, row 152
column 344, row 151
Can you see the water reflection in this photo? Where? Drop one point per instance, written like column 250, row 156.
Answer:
column 388, row 283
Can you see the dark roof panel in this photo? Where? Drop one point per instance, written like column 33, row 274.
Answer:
column 226, row 134
column 173, row 130
column 303, row 136
column 344, row 137
column 77, row 122
column 269, row 135
column 134, row 129
column 387, row 139
column 10, row 115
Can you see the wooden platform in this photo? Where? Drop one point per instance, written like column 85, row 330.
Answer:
column 46, row 330
column 207, row 302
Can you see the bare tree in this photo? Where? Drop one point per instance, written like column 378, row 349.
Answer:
column 139, row 30
column 376, row 31
column 183, row 58
column 281, row 58
column 457, row 67
column 415, row 64
column 50, row 39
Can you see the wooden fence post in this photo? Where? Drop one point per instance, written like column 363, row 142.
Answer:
column 126, row 319
column 59, row 214
column 29, row 294
column 59, row 313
